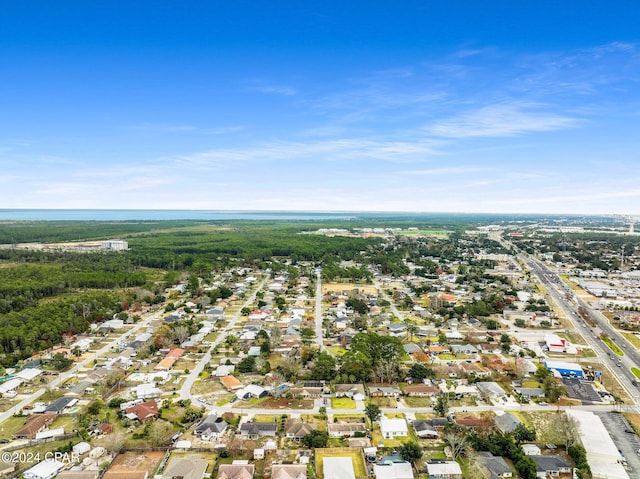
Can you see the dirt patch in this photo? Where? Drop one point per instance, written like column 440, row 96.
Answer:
column 284, row 403
column 148, row 461
column 342, row 287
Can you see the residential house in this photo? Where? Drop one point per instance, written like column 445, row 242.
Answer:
column 530, row 393
column 495, row 466
column 34, row 425
column 384, row 391
column 211, row 427
column 147, row 391
column 256, row 430
column 231, row 383
column 307, row 392
column 421, row 390
column 397, row 329
column 185, row 467
column 353, row 391
column 459, row 387
column 464, row 349
column 60, row 404
column 393, row 470
column 143, row 412
column 46, row 469
column 338, row 468
column 251, row 391
column 490, row 348
column 444, row 470
column 471, row 422
column 425, row 429
column 474, row 369
column 390, row 428
column 236, row 471
column 345, row 429
column 548, row 467
column 289, row 471
column 490, row 391
column 296, row 429
column 507, row 423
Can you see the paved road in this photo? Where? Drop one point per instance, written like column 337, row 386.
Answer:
column 187, row 385
column 392, row 305
column 631, row 358
column 64, row 376
column 412, row 410
column 319, row 339
column 627, row 443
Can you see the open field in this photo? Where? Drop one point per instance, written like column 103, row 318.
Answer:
column 345, row 287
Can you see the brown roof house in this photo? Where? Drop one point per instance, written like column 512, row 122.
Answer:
column 289, row 471
column 236, row 471
column 35, row 424
column 296, row 429
column 142, row 412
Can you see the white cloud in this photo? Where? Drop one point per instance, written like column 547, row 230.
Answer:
column 275, row 89
column 329, row 150
column 500, row 120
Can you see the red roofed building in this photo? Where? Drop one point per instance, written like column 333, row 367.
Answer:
column 175, row 353
column 143, row 411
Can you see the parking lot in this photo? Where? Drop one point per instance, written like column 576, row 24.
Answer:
column 582, row 390
column 626, row 440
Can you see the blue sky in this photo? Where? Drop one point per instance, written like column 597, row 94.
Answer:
column 461, row 106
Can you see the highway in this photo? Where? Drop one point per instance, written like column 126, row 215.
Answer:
column 631, row 358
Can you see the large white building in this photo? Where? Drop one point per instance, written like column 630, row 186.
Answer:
column 44, row 470
column 602, row 453
column 115, row 245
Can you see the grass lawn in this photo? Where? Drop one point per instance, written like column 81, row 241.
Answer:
column 336, row 350
column 355, row 455
column 636, row 372
column 383, row 402
column 588, row 353
column 343, row 403
column 349, row 417
column 633, row 339
column 573, row 338
column 266, row 418
column 613, row 346
column 418, row 402
column 11, row 425
column 376, row 438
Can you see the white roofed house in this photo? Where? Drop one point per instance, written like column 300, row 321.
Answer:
column 147, row 391
column 338, row 468
column 390, row 428
column 44, row 470
column 444, row 470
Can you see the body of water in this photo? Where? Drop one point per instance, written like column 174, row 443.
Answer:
column 150, row 215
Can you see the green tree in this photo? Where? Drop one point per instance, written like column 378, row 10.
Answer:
column 60, row 362
column 442, row 405
column 419, row 371
column 324, row 367
column 246, row 365
column 373, row 412
column 523, row 434
column 410, row 452
column 316, row 439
